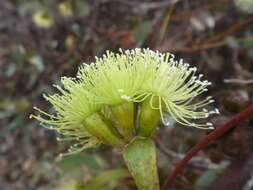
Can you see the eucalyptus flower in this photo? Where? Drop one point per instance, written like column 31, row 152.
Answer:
column 126, row 94
column 119, row 100
column 75, row 108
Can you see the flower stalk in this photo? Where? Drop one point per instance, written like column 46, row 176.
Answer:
column 140, row 158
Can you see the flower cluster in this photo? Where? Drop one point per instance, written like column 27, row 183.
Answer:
column 125, row 94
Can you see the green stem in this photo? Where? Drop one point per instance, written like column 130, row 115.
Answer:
column 140, row 158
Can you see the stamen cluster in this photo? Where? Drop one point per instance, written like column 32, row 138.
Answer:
column 125, row 94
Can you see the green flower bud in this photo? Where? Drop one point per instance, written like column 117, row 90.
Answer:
column 124, row 114
column 149, row 118
column 98, row 128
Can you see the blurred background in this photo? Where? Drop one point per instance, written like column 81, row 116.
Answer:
column 42, row 40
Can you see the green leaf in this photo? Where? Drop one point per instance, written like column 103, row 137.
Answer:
column 206, row 179
column 82, row 8
column 70, row 183
column 106, row 177
column 74, row 161
column 140, row 158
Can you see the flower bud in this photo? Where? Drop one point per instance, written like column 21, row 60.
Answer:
column 124, row 116
column 95, row 125
column 149, row 118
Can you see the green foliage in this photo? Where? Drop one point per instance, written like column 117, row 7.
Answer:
column 75, row 161
column 206, row 179
column 81, row 8
column 107, row 179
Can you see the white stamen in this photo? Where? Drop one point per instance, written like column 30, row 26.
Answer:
column 125, row 97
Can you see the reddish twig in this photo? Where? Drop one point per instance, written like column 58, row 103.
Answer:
column 205, row 141
column 204, row 46
column 238, row 25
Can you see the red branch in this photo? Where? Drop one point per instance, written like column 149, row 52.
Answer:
column 205, row 141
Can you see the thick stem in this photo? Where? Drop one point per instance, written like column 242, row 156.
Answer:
column 140, row 158
column 205, row 141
